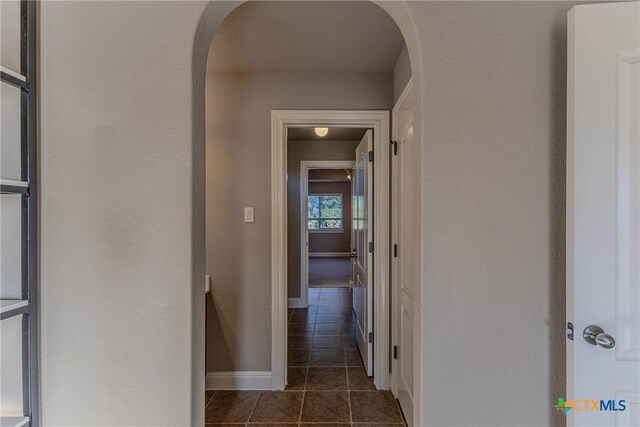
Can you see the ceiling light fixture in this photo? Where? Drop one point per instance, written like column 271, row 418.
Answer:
column 321, row 131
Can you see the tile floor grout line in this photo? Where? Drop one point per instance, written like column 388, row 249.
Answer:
column 304, row 394
column 254, row 406
column 211, row 398
column 346, row 369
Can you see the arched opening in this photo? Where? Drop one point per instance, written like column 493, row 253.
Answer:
column 122, row 137
column 239, row 320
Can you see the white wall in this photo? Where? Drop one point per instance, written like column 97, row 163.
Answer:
column 10, row 43
column 11, row 367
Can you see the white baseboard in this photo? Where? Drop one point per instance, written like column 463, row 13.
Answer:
column 295, row 303
column 239, row 380
column 328, row 254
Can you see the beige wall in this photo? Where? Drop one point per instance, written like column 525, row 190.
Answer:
column 297, row 151
column 119, row 187
column 332, row 175
column 401, row 73
column 121, row 290
column 333, row 242
column 238, row 175
column 493, row 214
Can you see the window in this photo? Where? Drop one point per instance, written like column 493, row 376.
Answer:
column 324, row 213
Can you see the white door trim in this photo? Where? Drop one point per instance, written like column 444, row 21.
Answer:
column 305, row 166
column 403, row 103
column 379, row 122
column 601, row 202
column 404, row 97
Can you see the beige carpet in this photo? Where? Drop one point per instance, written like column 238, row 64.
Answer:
column 329, row 272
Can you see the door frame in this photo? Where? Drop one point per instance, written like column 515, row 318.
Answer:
column 379, row 121
column 305, row 167
column 404, row 102
column 580, row 217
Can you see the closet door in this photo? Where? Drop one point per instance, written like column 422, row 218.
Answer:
column 18, row 234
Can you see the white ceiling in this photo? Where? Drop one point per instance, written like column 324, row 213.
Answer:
column 344, row 36
column 335, row 134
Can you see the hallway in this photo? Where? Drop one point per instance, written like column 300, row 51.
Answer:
column 333, row 272
column 328, row 385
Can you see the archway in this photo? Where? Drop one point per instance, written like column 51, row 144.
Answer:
column 213, row 16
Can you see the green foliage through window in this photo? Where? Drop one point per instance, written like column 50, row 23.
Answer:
column 325, row 212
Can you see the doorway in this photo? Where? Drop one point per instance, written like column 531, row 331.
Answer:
column 329, row 350
column 335, row 214
column 378, row 313
column 326, row 233
column 245, row 351
column 326, row 239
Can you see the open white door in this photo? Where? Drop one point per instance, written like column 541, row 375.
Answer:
column 363, row 234
column 603, row 216
column 405, row 213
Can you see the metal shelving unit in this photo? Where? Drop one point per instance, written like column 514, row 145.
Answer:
column 25, row 307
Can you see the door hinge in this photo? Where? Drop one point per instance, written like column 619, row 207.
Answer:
column 395, row 147
column 370, row 337
column 371, row 156
column 370, row 247
column 570, row 330
column 395, row 351
column 395, row 250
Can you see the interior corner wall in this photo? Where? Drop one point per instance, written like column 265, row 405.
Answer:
column 493, row 191
column 401, row 73
column 238, row 153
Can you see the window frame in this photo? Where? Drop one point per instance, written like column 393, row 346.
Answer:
column 326, row 230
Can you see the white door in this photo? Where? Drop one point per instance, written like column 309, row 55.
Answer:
column 362, row 292
column 603, row 216
column 404, row 267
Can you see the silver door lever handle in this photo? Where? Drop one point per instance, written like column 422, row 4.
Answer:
column 595, row 335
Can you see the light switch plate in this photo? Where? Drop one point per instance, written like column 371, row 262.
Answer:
column 248, row 215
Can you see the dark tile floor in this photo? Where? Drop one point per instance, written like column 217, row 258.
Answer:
column 328, row 385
